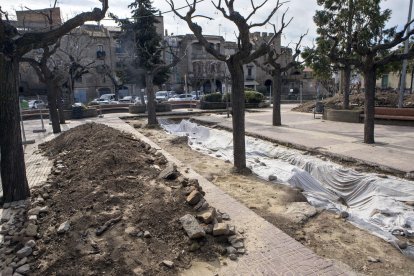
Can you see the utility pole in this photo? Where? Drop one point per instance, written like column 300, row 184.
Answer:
column 404, row 67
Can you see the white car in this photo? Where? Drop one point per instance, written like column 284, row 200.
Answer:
column 127, row 99
column 182, row 97
column 35, row 104
column 161, row 96
column 197, row 94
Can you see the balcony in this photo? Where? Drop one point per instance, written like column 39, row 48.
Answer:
column 100, row 54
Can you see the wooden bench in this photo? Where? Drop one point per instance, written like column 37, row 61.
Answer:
column 391, row 113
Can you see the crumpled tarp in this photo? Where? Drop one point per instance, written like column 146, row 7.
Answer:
column 374, row 203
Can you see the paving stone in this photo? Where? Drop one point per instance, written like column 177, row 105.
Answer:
column 24, row 252
column 221, row 229
column 34, row 211
column 64, row 227
column 24, row 269
column 231, row 250
column 191, row 227
column 8, row 271
column 31, row 230
column 194, row 197
column 207, row 216
column 30, row 243
column 170, row 172
column 168, row 264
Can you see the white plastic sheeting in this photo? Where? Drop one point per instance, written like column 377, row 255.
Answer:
column 374, row 203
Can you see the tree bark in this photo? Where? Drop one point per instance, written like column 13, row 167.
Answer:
column 60, row 105
column 346, row 85
column 238, row 107
column 277, row 97
column 152, row 116
column 369, row 124
column 13, row 169
column 51, row 98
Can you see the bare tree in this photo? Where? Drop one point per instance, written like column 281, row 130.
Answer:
column 13, row 46
column 149, row 81
column 47, row 73
column 244, row 54
column 73, row 52
column 375, row 54
column 275, row 67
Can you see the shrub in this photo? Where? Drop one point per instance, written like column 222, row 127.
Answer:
column 227, row 97
column 213, row 98
column 253, row 96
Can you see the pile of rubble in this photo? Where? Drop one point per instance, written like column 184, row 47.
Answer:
column 18, row 233
column 112, row 193
column 208, row 220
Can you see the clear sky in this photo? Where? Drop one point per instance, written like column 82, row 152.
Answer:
column 302, row 12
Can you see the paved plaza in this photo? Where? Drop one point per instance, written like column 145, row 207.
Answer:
column 393, row 150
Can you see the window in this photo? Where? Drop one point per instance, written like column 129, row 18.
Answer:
column 384, row 81
column 100, row 48
column 79, row 79
column 249, row 71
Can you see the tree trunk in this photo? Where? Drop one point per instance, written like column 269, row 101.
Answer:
column 60, row 105
column 277, row 97
column 152, row 116
column 238, row 107
column 346, row 85
column 13, row 169
column 51, row 98
column 369, row 76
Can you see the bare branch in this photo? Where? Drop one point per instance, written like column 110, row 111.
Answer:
column 6, row 14
column 255, row 8
column 196, row 29
column 32, row 40
column 36, row 66
column 278, row 5
column 395, row 56
column 398, row 38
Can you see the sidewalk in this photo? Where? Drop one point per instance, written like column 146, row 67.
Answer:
column 392, row 152
column 270, row 251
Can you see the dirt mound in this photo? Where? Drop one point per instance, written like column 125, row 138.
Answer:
column 123, row 219
column 389, row 99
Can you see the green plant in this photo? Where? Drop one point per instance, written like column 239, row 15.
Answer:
column 213, row 98
column 227, row 97
column 253, row 96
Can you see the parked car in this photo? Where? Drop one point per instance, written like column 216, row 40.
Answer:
column 161, row 96
column 35, row 104
column 182, row 97
column 138, row 100
column 127, row 99
column 196, row 94
column 105, row 99
column 98, row 101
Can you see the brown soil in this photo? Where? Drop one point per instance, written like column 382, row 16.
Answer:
column 325, row 233
column 102, row 174
column 357, row 100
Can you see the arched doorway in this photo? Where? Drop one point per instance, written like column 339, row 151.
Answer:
column 268, row 83
column 219, row 86
column 207, row 87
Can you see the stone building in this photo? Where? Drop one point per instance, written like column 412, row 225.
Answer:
column 201, row 71
column 198, row 70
